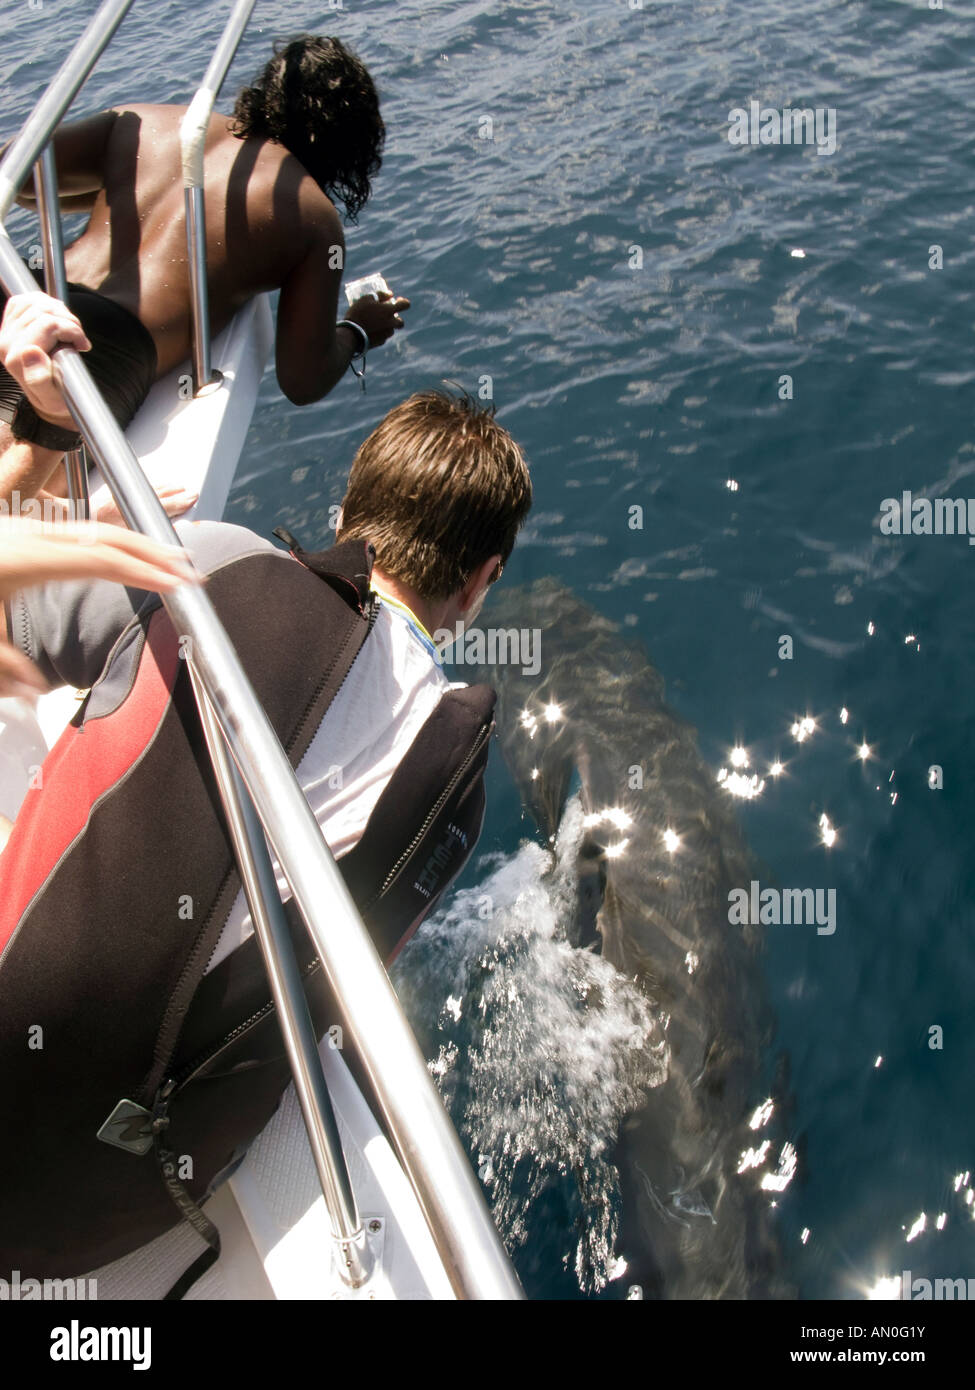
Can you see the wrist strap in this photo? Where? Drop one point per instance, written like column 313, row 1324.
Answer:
column 349, row 323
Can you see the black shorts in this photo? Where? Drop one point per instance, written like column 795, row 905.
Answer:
column 122, row 362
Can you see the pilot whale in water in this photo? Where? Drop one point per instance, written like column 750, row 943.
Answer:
column 657, row 851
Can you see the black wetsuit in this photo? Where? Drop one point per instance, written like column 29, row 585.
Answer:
column 122, row 362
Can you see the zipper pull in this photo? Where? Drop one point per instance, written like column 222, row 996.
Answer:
column 130, row 1126
column 160, row 1107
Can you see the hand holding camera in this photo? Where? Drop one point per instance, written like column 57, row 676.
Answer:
column 373, row 307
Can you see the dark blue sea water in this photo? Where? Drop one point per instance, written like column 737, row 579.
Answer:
column 636, row 288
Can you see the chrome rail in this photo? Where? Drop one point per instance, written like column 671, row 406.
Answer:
column 452, row 1203
column 56, row 284
column 192, row 138
column 271, row 928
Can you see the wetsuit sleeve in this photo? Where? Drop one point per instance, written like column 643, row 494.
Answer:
column 69, row 630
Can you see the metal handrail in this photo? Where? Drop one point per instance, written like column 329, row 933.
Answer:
column 56, row 283
column 192, row 138
column 271, row 929
column 438, row 1169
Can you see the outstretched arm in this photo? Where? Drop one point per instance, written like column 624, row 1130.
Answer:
column 311, row 352
column 34, row 552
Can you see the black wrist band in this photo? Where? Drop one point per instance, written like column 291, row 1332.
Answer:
column 350, row 323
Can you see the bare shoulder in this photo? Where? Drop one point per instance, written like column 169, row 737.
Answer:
column 318, row 213
column 289, row 190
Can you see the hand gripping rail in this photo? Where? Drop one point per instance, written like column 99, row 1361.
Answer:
column 429, row 1149
column 56, row 284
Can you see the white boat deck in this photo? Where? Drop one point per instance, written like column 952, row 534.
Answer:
column 275, row 1236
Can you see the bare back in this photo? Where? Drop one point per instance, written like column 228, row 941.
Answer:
column 267, row 223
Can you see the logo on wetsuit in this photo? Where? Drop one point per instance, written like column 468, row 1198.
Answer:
column 431, row 874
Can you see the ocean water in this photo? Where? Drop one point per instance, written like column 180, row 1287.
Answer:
column 562, row 204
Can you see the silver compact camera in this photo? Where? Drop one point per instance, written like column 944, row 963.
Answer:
column 369, row 285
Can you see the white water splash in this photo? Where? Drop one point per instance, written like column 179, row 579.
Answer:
column 543, row 1047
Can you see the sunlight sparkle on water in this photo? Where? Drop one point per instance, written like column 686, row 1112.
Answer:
column 609, row 815
column 784, row 1173
column 552, row 712
column 844, row 715
column 671, row 840
column 918, row 1227
column 739, row 784
column 802, row 728
column 739, row 757
column 827, row 830
column 751, row 1158
column 863, row 752
column 762, row 1115
column 776, row 769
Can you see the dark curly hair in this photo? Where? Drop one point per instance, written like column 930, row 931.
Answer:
column 317, row 99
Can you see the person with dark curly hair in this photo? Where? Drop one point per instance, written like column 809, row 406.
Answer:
column 305, row 135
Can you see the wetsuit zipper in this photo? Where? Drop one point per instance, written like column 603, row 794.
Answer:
column 478, row 744
column 189, row 1070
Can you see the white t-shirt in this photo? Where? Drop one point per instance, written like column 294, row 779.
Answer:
column 394, row 686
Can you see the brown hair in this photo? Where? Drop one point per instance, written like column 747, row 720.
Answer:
column 438, row 488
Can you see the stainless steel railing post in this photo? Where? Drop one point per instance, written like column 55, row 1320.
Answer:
column 192, row 136
column 56, row 284
column 271, row 928
column 196, row 248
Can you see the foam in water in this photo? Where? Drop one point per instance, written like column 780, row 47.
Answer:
column 542, row 1048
